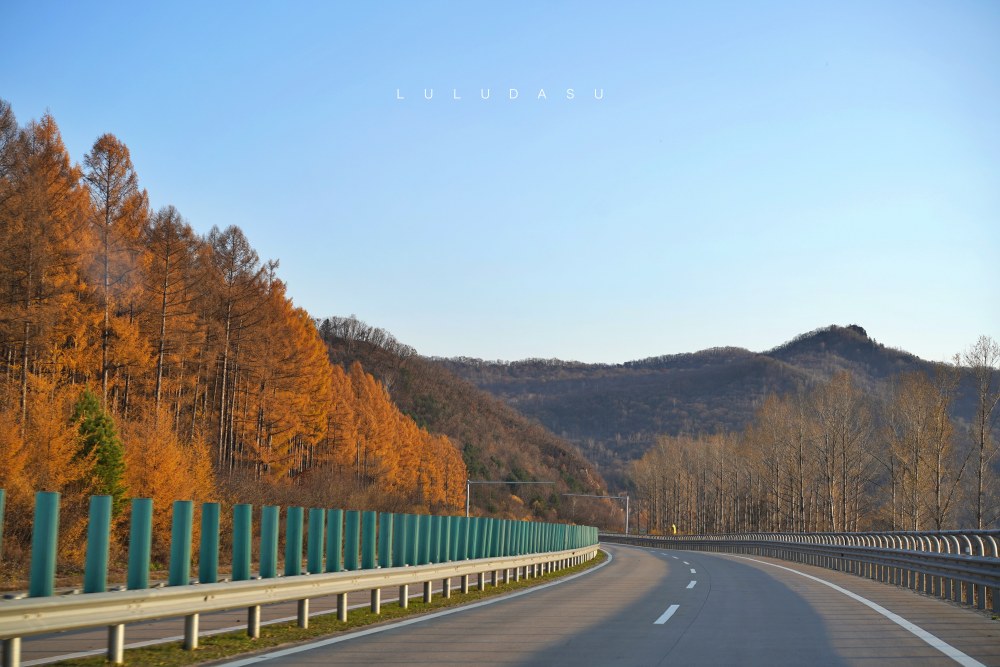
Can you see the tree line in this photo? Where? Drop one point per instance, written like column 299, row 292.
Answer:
column 182, row 350
column 837, row 457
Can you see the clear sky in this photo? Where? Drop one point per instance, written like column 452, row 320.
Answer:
column 754, row 170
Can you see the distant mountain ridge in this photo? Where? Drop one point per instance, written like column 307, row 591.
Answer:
column 613, row 412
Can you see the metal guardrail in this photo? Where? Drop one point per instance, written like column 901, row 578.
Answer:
column 961, row 566
column 31, row 616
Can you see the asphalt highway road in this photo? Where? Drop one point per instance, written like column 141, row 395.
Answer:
column 649, row 607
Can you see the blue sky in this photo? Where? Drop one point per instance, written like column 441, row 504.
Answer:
column 753, row 171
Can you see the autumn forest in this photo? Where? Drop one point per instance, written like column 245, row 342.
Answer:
column 141, row 359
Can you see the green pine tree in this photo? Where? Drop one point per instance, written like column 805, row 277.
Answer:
column 98, row 437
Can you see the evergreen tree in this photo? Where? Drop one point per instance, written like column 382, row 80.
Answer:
column 99, row 439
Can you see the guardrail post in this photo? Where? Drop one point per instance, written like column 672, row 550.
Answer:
column 428, row 592
column 44, row 538
column 12, row 652
column 242, row 536
column 116, row 644
column 190, row 632
column 95, row 574
column 208, row 551
column 342, row 607
column 269, row 519
column 446, row 587
column 376, row 606
column 351, row 535
column 334, row 540
column 253, row 622
column 180, row 562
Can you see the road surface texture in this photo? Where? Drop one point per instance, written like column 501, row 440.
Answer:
column 45, row 649
column 649, row 607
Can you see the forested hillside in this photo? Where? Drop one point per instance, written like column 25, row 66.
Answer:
column 497, row 442
column 141, row 358
column 614, row 413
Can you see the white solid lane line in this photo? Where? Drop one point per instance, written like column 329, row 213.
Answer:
column 691, row 585
column 939, row 644
column 665, row 616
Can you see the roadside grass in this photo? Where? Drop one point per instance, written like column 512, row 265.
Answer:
column 218, row 647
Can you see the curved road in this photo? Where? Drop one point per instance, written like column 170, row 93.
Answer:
column 643, row 609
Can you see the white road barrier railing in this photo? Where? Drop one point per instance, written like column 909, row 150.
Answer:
column 961, row 566
column 31, row 616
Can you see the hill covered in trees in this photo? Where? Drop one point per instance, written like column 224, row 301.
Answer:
column 496, row 441
column 616, row 412
column 140, row 358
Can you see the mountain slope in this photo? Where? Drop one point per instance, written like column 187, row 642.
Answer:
column 614, row 412
column 496, row 441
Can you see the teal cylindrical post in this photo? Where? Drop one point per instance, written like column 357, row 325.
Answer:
column 385, row 539
column 140, row 542
column 494, row 538
column 95, row 570
column 314, row 543
column 474, row 538
column 269, row 517
column 242, row 538
column 445, row 554
column 424, row 530
column 44, row 538
column 351, row 535
column 208, row 548
column 463, row 538
column 334, row 541
column 368, row 533
column 3, row 503
column 180, row 543
column 398, row 540
column 434, row 553
column 484, row 537
column 293, row 541
column 412, row 539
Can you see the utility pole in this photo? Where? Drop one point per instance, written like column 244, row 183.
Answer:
column 592, row 495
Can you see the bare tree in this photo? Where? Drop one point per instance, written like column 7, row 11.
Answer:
column 983, row 359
